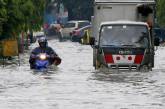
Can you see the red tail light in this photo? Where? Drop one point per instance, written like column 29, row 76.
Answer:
column 109, row 58
column 138, row 59
column 76, row 32
column 73, row 32
column 76, row 28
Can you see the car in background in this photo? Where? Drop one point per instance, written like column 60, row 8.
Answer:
column 38, row 34
column 70, row 26
column 78, row 34
column 51, row 29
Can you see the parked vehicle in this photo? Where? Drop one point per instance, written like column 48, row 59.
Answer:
column 73, row 25
column 38, row 34
column 78, row 34
column 52, row 29
column 122, row 34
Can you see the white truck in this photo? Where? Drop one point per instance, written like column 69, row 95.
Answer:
column 122, row 34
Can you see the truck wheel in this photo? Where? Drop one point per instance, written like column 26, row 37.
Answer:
column 144, row 68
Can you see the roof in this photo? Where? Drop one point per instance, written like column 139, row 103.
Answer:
column 123, row 22
column 125, row 1
column 84, row 27
column 73, row 21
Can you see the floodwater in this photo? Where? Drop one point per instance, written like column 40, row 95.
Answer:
column 75, row 84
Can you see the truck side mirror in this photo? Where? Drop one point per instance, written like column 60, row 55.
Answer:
column 92, row 41
column 156, row 41
column 144, row 10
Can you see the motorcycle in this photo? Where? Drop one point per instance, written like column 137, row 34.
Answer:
column 42, row 61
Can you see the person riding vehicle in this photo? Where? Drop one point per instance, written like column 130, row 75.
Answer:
column 53, row 58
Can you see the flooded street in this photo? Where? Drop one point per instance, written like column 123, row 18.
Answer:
column 75, row 84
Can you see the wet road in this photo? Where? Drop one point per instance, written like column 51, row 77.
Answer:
column 76, row 85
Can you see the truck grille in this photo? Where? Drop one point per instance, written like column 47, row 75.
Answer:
column 124, row 67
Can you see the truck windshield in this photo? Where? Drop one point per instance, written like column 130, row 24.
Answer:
column 124, row 35
column 69, row 25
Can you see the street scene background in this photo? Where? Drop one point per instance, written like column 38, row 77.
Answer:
column 75, row 83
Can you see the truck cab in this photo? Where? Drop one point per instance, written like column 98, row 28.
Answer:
column 122, row 33
column 124, row 45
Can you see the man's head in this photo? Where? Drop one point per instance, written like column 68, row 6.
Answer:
column 42, row 42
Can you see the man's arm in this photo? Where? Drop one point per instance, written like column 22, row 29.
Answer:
column 52, row 52
column 33, row 55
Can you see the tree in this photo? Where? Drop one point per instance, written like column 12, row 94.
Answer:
column 38, row 14
column 161, row 12
column 79, row 9
column 3, row 15
column 17, row 16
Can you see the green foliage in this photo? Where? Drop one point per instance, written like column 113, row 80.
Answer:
column 18, row 16
column 38, row 14
column 3, row 14
column 161, row 12
column 79, row 9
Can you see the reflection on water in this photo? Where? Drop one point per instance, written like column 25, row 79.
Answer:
column 45, row 73
column 122, row 76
